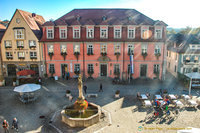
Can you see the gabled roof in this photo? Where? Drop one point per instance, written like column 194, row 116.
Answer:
column 107, row 17
column 183, row 46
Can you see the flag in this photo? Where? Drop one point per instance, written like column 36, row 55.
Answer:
column 131, row 64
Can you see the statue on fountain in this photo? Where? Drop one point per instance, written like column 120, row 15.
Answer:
column 81, row 104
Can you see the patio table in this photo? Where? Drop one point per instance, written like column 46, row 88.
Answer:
column 186, row 97
column 158, row 97
column 192, row 102
column 172, row 96
column 147, row 103
column 144, row 96
column 178, row 103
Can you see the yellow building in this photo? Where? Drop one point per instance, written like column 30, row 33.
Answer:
column 20, row 44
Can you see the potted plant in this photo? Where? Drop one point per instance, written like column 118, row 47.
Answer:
column 144, row 55
column 50, row 54
column 64, row 54
column 90, row 53
column 117, row 55
column 117, row 94
column 157, row 55
column 68, row 93
column 77, row 55
column 14, row 81
column 103, row 53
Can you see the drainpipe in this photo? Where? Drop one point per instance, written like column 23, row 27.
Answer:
column 83, row 61
column 123, row 73
column 164, row 61
column 45, row 62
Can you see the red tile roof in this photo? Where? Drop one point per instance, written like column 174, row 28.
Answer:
column 122, row 16
column 2, row 26
column 35, row 22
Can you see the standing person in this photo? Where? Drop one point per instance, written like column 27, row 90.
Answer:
column 15, row 124
column 85, row 89
column 101, row 87
column 40, row 80
column 5, row 126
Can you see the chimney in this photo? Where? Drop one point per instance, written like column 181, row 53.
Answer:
column 33, row 15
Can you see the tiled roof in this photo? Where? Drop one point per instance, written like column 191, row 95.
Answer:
column 2, row 26
column 122, row 16
column 49, row 23
column 34, row 22
column 89, row 22
column 183, row 47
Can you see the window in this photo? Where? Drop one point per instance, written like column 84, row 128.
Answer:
column 76, row 68
column 175, row 68
column 8, row 44
column 157, row 49
column 130, row 49
column 144, row 49
column 32, row 44
column 63, row 32
column 196, row 59
column 76, row 32
column 90, row 68
column 63, row 49
column 9, row 55
column 116, row 69
column 90, row 31
column 21, row 55
column 104, row 32
column 50, row 32
column 156, row 68
column 117, row 48
column 145, row 32
column 20, row 44
column 158, row 32
column 33, row 55
column 103, row 48
column 51, row 68
column 195, row 69
column 131, row 32
column 90, row 49
column 76, row 48
column 117, row 32
column 50, row 49
column 19, row 33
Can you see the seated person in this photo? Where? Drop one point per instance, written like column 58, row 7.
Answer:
column 138, row 95
column 148, row 95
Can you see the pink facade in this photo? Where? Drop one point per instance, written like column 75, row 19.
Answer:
column 104, row 65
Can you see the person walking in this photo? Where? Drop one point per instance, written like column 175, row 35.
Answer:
column 15, row 124
column 5, row 126
column 101, row 88
column 85, row 89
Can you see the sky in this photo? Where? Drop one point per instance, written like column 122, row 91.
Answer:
column 175, row 13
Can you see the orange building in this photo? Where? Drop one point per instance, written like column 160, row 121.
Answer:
column 99, row 42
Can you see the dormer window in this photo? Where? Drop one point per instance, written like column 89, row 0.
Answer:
column 76, row 32
column 145, row 32
column 50, row 32
column 104, row 18
column 63, row 32
column 131, row 32
column 90, row 31
column 158, row 33
column 103, row 32
column 117, row 32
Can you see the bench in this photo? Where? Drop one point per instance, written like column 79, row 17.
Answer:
column 92, row 95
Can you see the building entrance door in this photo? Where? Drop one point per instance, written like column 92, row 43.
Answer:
column 103, row 69
column 11, row 68
column 143, row 70
column 64, row 70
column 35, row 68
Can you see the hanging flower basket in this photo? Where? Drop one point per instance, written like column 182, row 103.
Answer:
column 144, row 55
column 90, row 53
column 103, row 53
column 117, row 55
column 77, row 55
column 50, row 54
column 64, row 54
column 157, row 55
column 90, row 72
column 130, row 53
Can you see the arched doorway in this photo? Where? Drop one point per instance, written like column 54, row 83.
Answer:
column 11, row 70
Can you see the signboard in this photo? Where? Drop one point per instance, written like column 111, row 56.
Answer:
column 131, row 64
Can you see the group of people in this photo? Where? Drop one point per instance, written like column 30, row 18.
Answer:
column 164, row 105
column 5, row 125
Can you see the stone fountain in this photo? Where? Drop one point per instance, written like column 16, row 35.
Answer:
column 81, row 113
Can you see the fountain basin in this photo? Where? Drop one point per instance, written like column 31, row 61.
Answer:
column 74, row 120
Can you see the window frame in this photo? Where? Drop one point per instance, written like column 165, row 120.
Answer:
column 21, row 57
column 145, row 29
column 88, row 30
column 34, row 55
column 128, row 33
column 48, row 29
column 10, row 55
column 10, row 44
column 33, row 46
column 63, row 28
column 17, row 34
column 128, row 47
column 75, row 67
column 119, row 48
column 50, row 68
column 119, row 29
column 62, row 50
column 156, row 33
column 156, row 68
column 145, row 46
column 50, row 50
column 92, row 49
column 106, row 32
column 157, row 49
column 74, row 48
column 75, row 29
column 116, row 69
column 90, row 67
column 103, row 46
